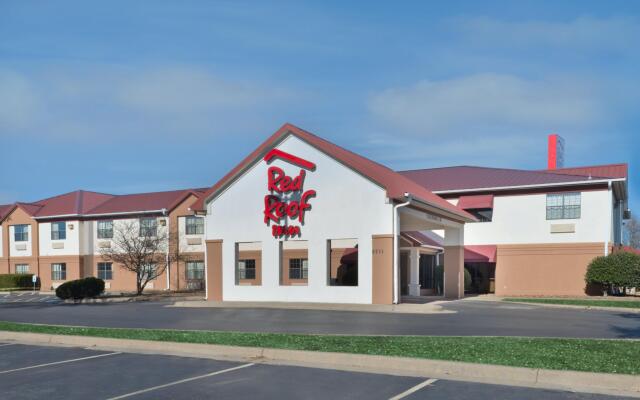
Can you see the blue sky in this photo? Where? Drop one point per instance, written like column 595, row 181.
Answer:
column 124, row 96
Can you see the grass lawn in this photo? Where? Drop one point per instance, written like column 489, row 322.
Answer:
column 580, row 302
column 593, row 355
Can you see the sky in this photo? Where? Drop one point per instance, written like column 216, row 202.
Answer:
column 123, row 96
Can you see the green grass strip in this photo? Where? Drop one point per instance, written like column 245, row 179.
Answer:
column 579, row 302
column 592, row 355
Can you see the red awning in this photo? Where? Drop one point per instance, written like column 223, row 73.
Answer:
column 480, row 253
column 475, row 202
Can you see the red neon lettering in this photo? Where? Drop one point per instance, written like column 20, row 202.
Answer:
column 280, row 231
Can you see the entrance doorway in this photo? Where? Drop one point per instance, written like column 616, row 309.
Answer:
column 482, row 278
column 431, row 275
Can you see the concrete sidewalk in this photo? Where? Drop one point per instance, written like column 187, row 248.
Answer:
column 404, row 308
column 611, row 384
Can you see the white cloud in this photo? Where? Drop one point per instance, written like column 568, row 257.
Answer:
column 18, row 101
column 111, row 102
column 582, row 33
column 488, row 104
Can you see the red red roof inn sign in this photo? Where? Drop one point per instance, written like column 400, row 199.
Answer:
column 287, row 200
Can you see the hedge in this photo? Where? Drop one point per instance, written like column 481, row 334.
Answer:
column 619, row 269
column 80, row 288
column 23, row 281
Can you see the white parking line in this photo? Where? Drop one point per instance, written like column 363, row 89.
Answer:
column 58, row 362
column 6, row 344
column 414, row 389
column 181, row 381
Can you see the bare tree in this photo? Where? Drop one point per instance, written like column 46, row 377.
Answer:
column 141, row 250
column 632, row 228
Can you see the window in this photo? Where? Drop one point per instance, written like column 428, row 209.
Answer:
column 483, row 214
column 149, row 272
column 294, row 262
column 343, row 262
column 58, row 230
column 563, row 206
column 22, row 268
column 105, row 271
column 298, row 268
column 58, row 272
column 248, row 263
column 247, row 269
column 21, row 233
column 195, row 269
column 148, row 227
column 194, row 225
column 105, row 229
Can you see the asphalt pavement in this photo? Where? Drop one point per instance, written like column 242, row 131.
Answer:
column 39, row 372
column 472, row 318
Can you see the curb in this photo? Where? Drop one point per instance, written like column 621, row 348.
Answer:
column 133, row 299
column 612, row 384
column 576, row 307
column 373, row 308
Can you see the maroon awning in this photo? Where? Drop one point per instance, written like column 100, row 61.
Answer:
column 475, row 202
column 480, row 253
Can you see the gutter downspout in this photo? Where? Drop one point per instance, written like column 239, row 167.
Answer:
column 166, row 260
column 610, row 214
column 396, row 253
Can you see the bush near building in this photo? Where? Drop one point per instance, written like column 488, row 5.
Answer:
column 80, row 288
column 17, row 281
column 618, row 270
column 468, row 281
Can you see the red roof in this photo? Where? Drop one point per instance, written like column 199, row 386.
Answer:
column 480, row 253
column 468, row 177
column 608, row 170
column 417, row 238
column 84, row 203
column 394, row 183
column 476, row 202
column 143, row 202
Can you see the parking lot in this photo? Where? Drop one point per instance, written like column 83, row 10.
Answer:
column 28, row 297
column 39, row 372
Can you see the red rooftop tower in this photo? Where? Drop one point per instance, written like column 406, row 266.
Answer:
column 555, row 152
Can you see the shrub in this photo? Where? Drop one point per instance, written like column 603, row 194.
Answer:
column 17, row 281
column 80, row 288
column 467, row 280
column 619, row 269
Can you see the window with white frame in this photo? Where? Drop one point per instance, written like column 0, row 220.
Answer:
column 563, row 206
column 105, row 271
column 247, row 269
column 195, row 269
column 194, row 225
column 105, row 229
column 58, row 272
column 148, row 227
column 58, row 230
column 298, row 268
column 248, row 262
column 21, row 233
column 149, row 272
column 22, row 268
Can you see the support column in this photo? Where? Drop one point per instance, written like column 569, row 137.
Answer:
column 454, row 263
column 414, row 272
column 214, row 270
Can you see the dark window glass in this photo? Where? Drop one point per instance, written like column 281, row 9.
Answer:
column 194, row 225
column 105, row 271
column 148, row 227
column 58, row 230
column 247, row 269
column 105, row 229
column 21, row 233
column 298, row 268
column 58, row 272
column 195, row 269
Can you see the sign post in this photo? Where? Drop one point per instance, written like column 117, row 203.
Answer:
column 34, row 279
